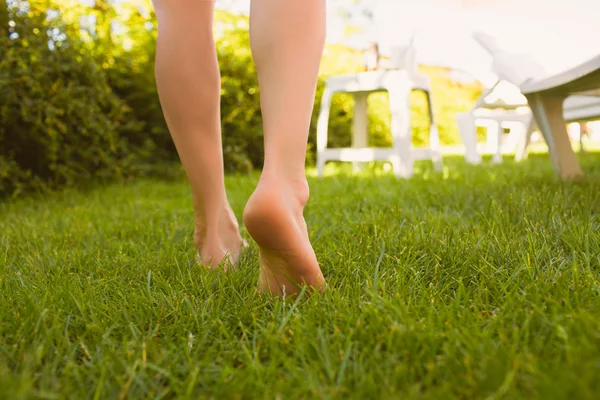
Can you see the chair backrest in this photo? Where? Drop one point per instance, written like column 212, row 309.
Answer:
column 512, row 67
column 404, row 58
column 488, row 42
column 503, row 95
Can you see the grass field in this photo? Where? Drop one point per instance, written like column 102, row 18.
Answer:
column 479, row 282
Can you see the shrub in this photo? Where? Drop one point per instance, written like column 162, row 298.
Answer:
column 60, row 122
column 240, row 97
column 131, row 76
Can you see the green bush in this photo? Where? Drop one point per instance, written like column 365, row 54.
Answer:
column 240, row 97
column 131, row 76
column 60, row 122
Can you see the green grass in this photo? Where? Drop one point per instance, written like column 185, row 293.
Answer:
column 479, row 282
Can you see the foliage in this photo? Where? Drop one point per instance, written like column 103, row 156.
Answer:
column 4, row 18
column 60, row 121
column 240, row 96
column 128, row 60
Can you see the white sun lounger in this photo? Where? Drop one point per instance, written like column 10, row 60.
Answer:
column 546, row 98
column 516, row 70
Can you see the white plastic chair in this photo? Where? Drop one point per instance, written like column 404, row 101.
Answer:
column 547, row 98
column 398, row 81
column 513, row 71
column 501, row 106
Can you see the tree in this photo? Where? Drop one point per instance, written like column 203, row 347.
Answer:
column 105, row 13
column 3, row 18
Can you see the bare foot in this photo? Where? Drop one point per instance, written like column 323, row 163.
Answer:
column 273, row 217
column 220, row 246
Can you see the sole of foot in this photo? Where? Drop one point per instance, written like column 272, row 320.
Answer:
column 274, row 219
column 220, row 248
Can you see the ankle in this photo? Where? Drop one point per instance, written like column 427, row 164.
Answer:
column 294, row 188
column 213, row 227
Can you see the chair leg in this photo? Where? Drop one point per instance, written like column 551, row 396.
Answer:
column 434, row 136
column 436, row 154
column 548, row 112
column 496, row 133
column 466, row 126
column 360, row 138
column 320, row 165
column 516, row 133
column 322, row 130
column 523, row 143
column 401, row 130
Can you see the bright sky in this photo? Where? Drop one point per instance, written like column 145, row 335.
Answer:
column 557, row 33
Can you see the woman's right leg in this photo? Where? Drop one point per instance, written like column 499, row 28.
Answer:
column 187, row 75
column 287, row 44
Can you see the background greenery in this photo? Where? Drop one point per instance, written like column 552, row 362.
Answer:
column 78, row 99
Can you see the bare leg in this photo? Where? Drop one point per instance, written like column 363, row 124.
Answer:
column 187, row 75
column 287, row 40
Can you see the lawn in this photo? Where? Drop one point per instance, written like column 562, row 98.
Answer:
column 478, row 282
